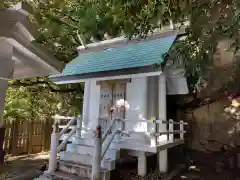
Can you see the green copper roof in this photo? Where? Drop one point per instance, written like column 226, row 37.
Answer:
column 140, row 54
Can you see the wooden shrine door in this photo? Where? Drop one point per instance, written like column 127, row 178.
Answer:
column 112, row 94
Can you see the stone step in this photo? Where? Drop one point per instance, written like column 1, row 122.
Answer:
column 81, row 170
column 65, row 176
column 85, row 149
column 85, row 159
column 86, row 135
column 84, row 132
column 90, row 142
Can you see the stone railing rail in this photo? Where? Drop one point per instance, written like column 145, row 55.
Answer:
column 55, row 137
column 113, row 130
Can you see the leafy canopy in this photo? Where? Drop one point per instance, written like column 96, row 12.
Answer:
column 66, row 24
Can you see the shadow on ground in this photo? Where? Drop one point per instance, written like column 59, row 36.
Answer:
column 25, row 167
column 30, row 167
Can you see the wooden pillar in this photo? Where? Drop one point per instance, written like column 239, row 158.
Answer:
column 162, row 105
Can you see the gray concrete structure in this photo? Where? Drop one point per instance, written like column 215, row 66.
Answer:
column 20, row 55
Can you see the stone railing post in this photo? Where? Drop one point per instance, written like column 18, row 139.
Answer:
column 123, row 125
column 120, row 126
column 96, row 161
column 53, row 150
column 181, row 130
column 79, row 127
column 171, row 129
column 163, row 154
column 153, row 131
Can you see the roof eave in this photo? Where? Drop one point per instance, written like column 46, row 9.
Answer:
column 123, row 41
column 109, row 75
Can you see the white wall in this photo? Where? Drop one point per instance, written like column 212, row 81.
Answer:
column 93, row 106
column 136, row 97
column 136, row 94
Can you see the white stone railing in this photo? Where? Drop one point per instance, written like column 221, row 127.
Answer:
column 161, row 132
column 115, row 128
column 55, row 137
column 170, row 132
column 104, row 123
column 159, row 128
column 118, row 127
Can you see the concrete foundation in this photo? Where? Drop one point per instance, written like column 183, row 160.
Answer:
column 142, row 164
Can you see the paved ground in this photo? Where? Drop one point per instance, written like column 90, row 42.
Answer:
column 23, row 167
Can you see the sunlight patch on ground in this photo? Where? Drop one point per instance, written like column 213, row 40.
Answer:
column 44, row 155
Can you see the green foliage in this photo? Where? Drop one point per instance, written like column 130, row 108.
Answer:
column 209, row 22
column 64, row 24
column 38, row 103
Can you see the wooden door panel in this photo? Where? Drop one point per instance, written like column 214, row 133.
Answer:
column 110, row 95
column 105, row 101
column 119, row 91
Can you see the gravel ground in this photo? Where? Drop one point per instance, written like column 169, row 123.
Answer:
column 127, row 170
column 23, row 167
column 132, row 175
column 28, row 168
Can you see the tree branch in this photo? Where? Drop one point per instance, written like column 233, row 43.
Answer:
column 199, row 102
column 19, row 83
